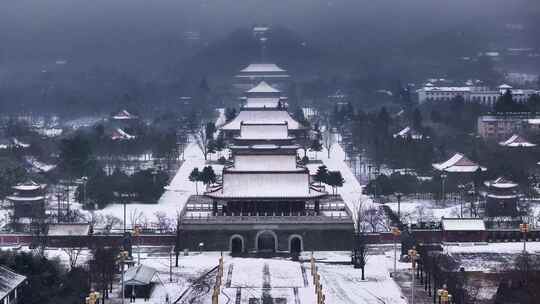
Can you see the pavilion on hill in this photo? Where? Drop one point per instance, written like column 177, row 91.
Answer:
column 458, row 163
column 517, row 141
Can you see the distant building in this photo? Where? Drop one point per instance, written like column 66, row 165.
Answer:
column 517, row 141
column 408, row 132
column 261, row 31
column 501, row 127
column 458, row 163
column 11, row 286
column 471, row 93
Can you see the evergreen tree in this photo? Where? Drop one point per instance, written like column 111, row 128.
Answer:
column 208, row 176
column 322, row 175
column 506, row 104
column 335, row 180
column 195, row 176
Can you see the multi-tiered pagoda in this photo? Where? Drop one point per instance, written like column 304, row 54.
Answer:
column 265, row 200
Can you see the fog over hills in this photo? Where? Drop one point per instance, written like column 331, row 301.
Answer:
column 111, row 47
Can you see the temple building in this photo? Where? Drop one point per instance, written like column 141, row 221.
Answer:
column 265, row 200
column 501, row 210
column 257, row 72
column 517, row 141
column 264, row 104
column 458, row 163
column 28, row 203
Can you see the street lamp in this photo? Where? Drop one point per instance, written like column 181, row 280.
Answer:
column 444, row 296
column 524, row 228
column 122, row 257
column 396, row 233
column 413, row 254
column 93, row 297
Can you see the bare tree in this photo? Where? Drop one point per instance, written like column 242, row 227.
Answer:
column 111, row 221
column 328, row 139
column 73, row 254
column 423, row 214
column 135, row 217
column 163, row 222
column 203, row 138
column 375, row 218
column 360, row 245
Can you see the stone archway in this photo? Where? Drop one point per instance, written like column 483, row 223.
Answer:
column 266, row 241
column 236, row 244
column 296, row 244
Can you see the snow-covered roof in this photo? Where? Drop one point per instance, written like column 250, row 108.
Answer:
column 28, row 186
column 463, row 224
column 265, row 185
column 262, row 68
column 405, row 132
column 262, row 102
column 261, row 28
column 139, row 275
column 25, row 199
column 263, row 87
column 265, row 163
column 262, row 117
column 9, row 281
column 264, row 131
column 458, row 163
column 505, row 86
column 69, row 229
column 447, row 89
column 124, row 115
column 501, row 183
column 119, row 134
column 516, row 141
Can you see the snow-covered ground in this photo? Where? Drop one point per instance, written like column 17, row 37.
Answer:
column 419, row 210
column 351, row 192
column 492, row 257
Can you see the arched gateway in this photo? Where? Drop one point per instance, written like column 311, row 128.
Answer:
column 237, row 244
column 266, row 241
column 295, row 244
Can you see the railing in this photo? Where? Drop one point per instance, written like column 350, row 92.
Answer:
column 201, row 219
